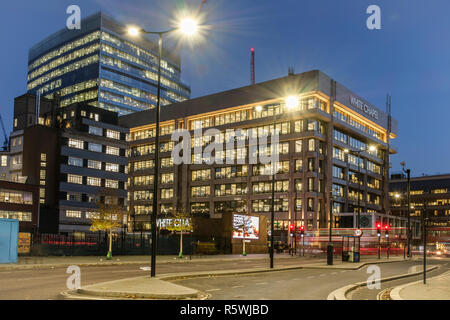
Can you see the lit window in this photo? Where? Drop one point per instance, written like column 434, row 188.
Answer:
column 73, row 214
column 112, row 167
column 4, row 161
column 72, row 178
column 94, row 181
column 111, row 184
column 94, row 164
column 74, row 143
column 112, row 150
column 113, row 134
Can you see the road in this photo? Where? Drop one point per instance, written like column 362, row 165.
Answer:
column 302, row 284
column 364, row 293
column 46, row 284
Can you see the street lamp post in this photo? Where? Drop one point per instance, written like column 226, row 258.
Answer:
column 408, row 173
column 187, row 26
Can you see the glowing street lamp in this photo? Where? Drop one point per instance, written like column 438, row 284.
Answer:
column 292, row 102
column 188, row 27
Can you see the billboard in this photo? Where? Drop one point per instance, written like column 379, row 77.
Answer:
column 247, row 224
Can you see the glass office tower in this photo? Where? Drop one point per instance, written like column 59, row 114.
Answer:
column 102, row 66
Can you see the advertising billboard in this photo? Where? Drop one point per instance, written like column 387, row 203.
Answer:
column 247, row 224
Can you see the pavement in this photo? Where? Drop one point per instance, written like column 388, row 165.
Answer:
column 65, row 261
column 160, row 287
column 436, row 288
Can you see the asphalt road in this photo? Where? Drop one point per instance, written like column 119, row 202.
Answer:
column 302, row 284
column 43, row 284
column 364, row 293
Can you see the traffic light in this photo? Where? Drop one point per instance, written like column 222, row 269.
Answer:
column 291, row 227
column 386, row 230
column 379, row 229
column 302, row 231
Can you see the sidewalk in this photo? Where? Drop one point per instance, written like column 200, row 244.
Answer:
column 160, row 287
column 437, row 288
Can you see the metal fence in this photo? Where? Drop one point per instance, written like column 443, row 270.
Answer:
column 123, row 244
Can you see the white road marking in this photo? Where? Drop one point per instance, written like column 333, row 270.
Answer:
column 213, row 290
column 334, row 273
column 310, row 277
column 237, row 287
column 261, row 283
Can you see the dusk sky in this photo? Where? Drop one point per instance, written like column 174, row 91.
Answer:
column 409, row 58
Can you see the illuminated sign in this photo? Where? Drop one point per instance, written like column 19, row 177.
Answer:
column 371, row 111
column 245, row 224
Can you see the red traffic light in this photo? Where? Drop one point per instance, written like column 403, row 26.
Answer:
column 378, row 225
column 292, row 227
column 386, row 227
column 302, row 228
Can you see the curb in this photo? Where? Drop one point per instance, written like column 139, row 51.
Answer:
column 395, row 292
column 341, row 293
column 180, row 276
column 97, row 264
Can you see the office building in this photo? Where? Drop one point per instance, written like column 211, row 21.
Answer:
column 324, row 146
column 76, row 155
column 430, row 194
column 104, row 67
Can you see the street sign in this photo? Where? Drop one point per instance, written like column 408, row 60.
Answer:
column 358, row 232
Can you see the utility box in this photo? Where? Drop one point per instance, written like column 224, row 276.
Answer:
column 9, row 237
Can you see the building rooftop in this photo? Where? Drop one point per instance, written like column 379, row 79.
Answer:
column 314, row 80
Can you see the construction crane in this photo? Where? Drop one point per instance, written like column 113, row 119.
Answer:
column 5, row 143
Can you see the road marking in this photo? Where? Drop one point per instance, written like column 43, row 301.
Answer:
column 310, row 277
column 343, row 271
column 297, row 279
column 323, row 274
column 261, row 283
column 213, row 290
column 334, row 273
column 237, row 287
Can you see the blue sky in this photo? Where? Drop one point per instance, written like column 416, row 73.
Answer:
column 409, row 58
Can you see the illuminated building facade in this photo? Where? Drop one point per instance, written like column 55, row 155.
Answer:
column 102, row 66
column 314, row 136
column 427, row 192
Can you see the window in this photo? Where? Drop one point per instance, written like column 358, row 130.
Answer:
column 143, row 165
column 95, row 147
column 94, row 164
column 74, row 143
column 143, row 180
column 298, row 185
column 200, row 208
column 338, row 172
column 112, row 150
column 298, row 145
column 299, row 165
column 42, row 174
column 200, row 175
column 167, row 178
column 72, row 161
column 4, row 161
column 72, row 178
column 166, row 162
column 92, row 181
column 112, row 167
column 73, row 197
column 113, row 134
column 73, row 214
column 202, row 191
column 96, row 130
column 143, row 195
column 166, row 193
column 114, row 184
column 311, row 145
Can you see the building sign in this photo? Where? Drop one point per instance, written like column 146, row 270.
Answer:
column 357, row 103
column 175, row 224
column 245, row 224
column 24, row 244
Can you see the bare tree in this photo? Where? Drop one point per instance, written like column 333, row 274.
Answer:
column 180, row 221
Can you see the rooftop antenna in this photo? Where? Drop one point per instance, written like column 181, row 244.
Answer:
column 291, row 71
column 252, row 50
